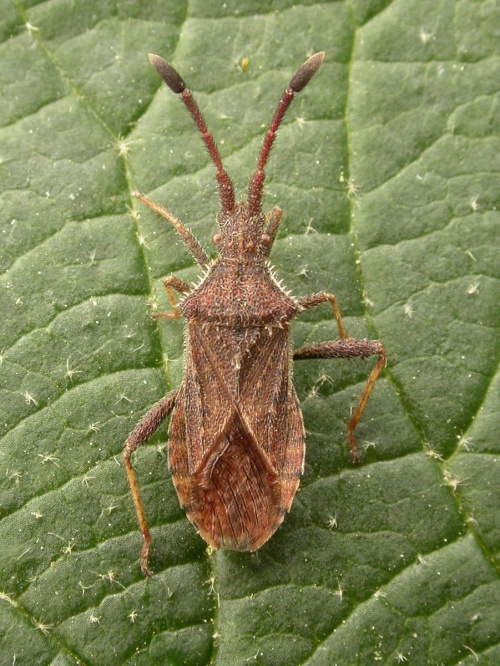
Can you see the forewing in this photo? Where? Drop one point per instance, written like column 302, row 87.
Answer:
column 236, row 438
column 269, row 403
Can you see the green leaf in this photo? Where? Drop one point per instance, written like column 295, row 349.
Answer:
column 387, row 169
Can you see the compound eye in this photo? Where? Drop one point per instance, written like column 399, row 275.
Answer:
column 217, row 239
column 266, row 239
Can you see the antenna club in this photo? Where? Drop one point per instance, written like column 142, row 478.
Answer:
column 169, row 75
column 305, row 73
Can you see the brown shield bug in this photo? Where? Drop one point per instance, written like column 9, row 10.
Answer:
column 236, row 436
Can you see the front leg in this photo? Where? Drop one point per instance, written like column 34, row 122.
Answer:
column 322, row 297
column 189, row 240
column 181, row 287
column 140, row 434
column 345, row 348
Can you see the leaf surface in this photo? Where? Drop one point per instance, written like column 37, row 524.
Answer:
column 386, row 168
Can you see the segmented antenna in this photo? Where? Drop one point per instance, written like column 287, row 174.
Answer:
column 301, row 78
column 177, row 85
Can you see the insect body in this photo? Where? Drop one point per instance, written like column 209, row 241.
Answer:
column 236, row 436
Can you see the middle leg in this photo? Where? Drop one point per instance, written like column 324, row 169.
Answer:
column 350, row 349
column 344, row 348
column 141, row 433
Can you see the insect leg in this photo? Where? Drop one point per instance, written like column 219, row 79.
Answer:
column 321, row 297
column 170, row 284
column 348, row 348
column 140, row 434
column 189, row 240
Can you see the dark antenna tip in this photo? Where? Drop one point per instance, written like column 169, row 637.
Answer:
column 173, row 80
column 305, row 73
